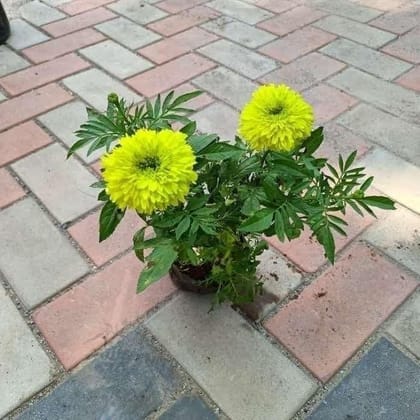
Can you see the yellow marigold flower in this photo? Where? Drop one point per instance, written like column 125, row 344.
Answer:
column 276, row 118
column 149, row 170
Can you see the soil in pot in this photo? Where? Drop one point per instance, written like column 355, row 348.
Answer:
column 193, row 278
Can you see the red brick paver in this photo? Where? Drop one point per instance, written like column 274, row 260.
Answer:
column 170, row 75
column 308, row 254
column 10, row 189
column 175, row 6
column 411, row 79
column 76, row 23
column 79, row 6
column 87, row 316
column 60, row 46
column 184, row 20
column 21, row 140
column 291, row 20
column 177, row 45
column 334, row 315
column 42, row 74
column 31, row 104
column 297, row 43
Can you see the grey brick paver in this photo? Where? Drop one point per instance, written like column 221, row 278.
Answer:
column 399, row 20
column 367, row 59
column 385, row 95
column 305, row 71
column 93, row 86
column 35, row 257
column 218, row 118
column 396, row 135
column 384, row 385
column 64, row 121
column 359, row 32
column 116, row 59
column 24, row 366
column 144, row 14
column 128, row 33
column 240, row 59
column 24, row 35
column 227, row 352
column 39, row 13
column 191, row 408
column 347, row 9
column 240, row 32
column 130, row 380
column 406, row 47
column 246, row 12
column 10, row 61
column 397, row 234
column 47, row 173
column 395, row 177
column 227, row 86
column 405, row 326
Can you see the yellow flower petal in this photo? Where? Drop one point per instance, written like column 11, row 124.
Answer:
column 149, row 170
column 277, row 118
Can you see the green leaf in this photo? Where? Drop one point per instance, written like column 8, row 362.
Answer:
column 250, row 206
column 221, row 151
column 109, row 219
column 326, row 239
column 189, row 129
column 258, row 222
column 138, row 239
column 79, row 144
column 159, row 263
column 366, row 184
column 156, row 109
column 314, row 141
column 182, row 227
column 98, row 184
column 167, row 221
column 200, row 142
column 103, row 196
column 279, row 226
column 197, row 202
column 350, row 160
column 337, row 220
column 378, row 201
column 167, row 100
column 333, row 170
column 185, row 98
column 271, row 189
column 341, row 163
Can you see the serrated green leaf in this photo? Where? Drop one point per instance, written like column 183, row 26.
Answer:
column 221, row 151
column 138, row 239
column 314, row 141
column 250, row 206
column 279, row 226
column 156, row 109
column 200, row 142
column 98, row 184
column 350, row 160
column 367, row 184
column 189, row 129
column 109, row 219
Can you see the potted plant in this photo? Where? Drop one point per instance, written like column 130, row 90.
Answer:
column 209, row 201
column 4, row 26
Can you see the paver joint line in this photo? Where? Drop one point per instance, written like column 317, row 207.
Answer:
column 358, row 63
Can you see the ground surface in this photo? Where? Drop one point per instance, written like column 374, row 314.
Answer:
column 341, row 342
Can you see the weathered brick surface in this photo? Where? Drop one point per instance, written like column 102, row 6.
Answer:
column 333, row 316
column 143, row 14
column 10, row 189
column 42, row 74
column 240, row 10
column 24, row 35
column 406, row 47
column 89, row 315
column 411, row 79
column 78, row 6
column 10, row 61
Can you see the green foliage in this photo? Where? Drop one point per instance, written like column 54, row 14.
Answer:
column 239, row 195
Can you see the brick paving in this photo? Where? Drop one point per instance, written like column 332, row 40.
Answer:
column 75, row 339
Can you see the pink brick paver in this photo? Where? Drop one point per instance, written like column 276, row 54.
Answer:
column 89, row 315
column 175, row 6
column 411, row 80
column 291, row 20
column 78, row 22
column 60, row 46
column 177, row 45
column 79, row 6
column 297, row 43
column 169, row 75
column 42, row 74
column 21, row 140
column 10, row 189
column 183, row 20
column 85, row 233
column 333, row 316
column 308, row 254
column 31, row 104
